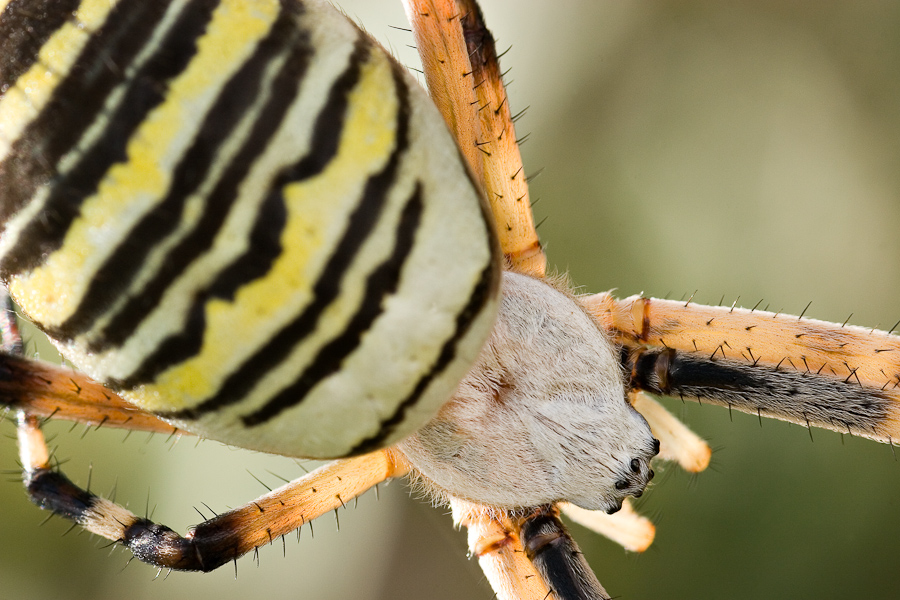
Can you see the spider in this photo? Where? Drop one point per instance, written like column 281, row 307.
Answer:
column 606, row 571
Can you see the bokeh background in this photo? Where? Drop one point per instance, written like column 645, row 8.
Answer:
column 744, row 149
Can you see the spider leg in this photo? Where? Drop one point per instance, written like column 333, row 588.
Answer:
column 38, row 390
column 216, row 541
column 626, row 527
column 529, row 556
column 45, row 390
column 676, row 441
column 455, row 44
column 494, row 540
column 805, row 371
column 557, row 557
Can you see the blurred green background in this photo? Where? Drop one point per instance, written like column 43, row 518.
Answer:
column 749, row 149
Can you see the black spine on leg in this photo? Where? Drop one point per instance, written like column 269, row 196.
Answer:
column 558, row 559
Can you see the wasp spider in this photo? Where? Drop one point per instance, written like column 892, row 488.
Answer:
column 650, row 54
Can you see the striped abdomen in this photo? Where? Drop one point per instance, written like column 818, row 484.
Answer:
column 243, row 215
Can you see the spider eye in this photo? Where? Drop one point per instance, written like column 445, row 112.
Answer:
column 621, row 484
column 635, row 465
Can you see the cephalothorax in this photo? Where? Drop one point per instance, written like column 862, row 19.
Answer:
column 541, row 417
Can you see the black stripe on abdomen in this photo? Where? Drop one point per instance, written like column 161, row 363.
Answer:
column 481, row 293
column 76, row 102
column 380, row 284
column 180, row 347
column 327, row 287
column 147, row 89
column 237, row 96
column 25, row 26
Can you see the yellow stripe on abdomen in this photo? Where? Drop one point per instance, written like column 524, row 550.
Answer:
column 132, row 188
column 261, row 307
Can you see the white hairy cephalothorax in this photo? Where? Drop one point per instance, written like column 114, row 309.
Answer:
column 541, row 417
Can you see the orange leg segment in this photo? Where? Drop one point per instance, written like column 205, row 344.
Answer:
column 464, row 79
column 805, row 371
